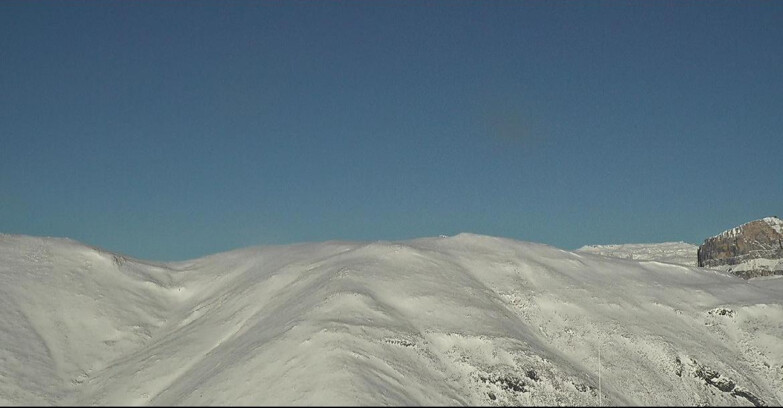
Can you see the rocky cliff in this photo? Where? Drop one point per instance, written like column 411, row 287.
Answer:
column 749, row 250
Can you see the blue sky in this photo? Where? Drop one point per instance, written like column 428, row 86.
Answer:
column 170, row 130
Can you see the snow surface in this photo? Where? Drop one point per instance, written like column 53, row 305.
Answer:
column 776, row 223
column 462, row 320
column 755, row 264
column 680, row 253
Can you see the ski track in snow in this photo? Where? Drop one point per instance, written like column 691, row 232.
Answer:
column 462, row 320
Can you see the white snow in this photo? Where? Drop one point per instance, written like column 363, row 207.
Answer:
column 731, row 233
column 776, row 223
column 755, row 264
column 680, row 253
column 463, row 320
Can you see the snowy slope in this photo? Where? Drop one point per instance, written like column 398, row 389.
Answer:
column 467, row 319
column 680, row 253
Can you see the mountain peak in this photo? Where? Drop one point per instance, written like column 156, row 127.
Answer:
column 749, row 250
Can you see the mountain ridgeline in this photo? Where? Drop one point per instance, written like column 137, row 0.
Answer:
column 461, row 320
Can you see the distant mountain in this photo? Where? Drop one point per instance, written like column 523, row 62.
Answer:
column 462, row 320
column 680, row 253
column 749, row 250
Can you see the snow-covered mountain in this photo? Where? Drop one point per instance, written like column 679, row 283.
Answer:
column 750, row 250
column 680, row 253
column 467, row 319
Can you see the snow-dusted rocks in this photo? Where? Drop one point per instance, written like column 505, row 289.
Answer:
column 463, row 320
column 750, row 250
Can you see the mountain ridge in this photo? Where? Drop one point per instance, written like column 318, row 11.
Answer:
column 681, row 253
column 462, row 320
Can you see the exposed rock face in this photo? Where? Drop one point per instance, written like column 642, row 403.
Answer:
column 750, row 250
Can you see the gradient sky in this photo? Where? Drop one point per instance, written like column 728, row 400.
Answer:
column 171, row 130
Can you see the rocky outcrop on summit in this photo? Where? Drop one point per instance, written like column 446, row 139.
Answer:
column 750, row 250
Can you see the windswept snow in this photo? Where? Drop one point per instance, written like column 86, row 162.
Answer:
column 680, row 253
column 467, row 319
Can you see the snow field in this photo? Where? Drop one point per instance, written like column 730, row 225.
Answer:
column 457, row 320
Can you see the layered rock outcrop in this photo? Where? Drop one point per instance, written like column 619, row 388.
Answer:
column 750, row 250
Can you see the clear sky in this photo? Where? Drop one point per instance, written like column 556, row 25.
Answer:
column 171, row 130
